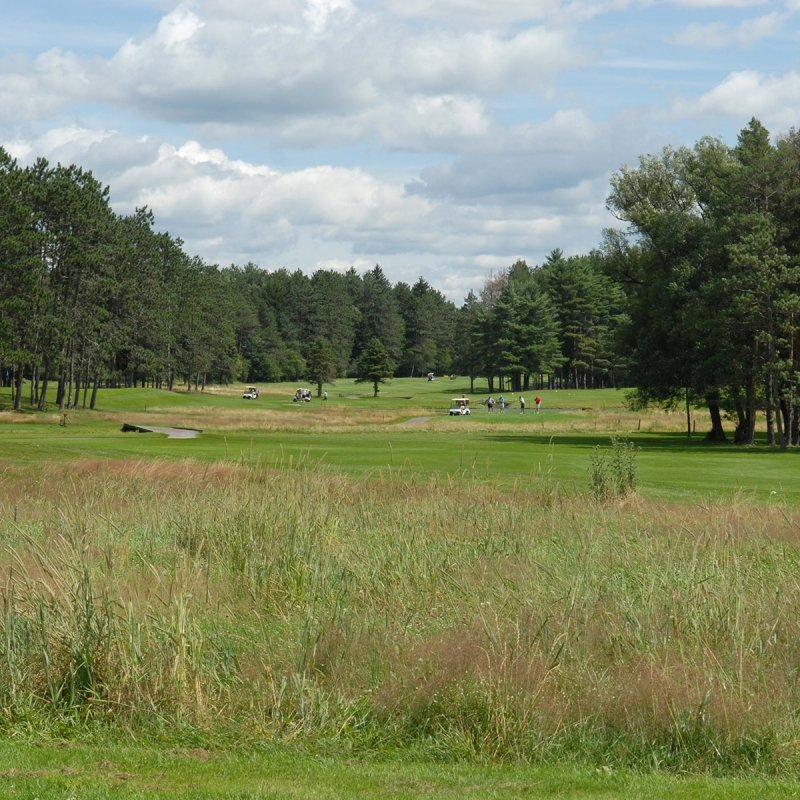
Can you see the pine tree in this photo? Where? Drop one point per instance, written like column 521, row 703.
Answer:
column 320, row 363
column 374, row 365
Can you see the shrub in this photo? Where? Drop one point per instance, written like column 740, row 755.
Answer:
column 613, row 474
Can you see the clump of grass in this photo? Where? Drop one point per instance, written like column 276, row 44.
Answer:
column 613, row 474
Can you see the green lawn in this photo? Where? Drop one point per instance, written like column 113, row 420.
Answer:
column 56, row 772
column 399, row 393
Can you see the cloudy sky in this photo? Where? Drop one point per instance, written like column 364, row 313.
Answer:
column 442, row 138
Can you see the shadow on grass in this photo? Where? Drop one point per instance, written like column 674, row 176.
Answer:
column 671, row 442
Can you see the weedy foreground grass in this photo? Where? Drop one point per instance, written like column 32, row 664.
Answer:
column 443, row 619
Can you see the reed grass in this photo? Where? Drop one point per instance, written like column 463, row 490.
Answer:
column 436, row 616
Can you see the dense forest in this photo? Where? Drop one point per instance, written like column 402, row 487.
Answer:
column 695, row 300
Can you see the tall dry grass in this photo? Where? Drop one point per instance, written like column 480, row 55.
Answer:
column 443, row 616
column 333, row 418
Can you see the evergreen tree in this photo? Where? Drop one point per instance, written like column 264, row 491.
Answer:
column 525, row 329
column 467, row 340
column 320, row 364
column 24, row 287
column 374, row 365
column 429, row 327
column 334, row 315
column 380, row 318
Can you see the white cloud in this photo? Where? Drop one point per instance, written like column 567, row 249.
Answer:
column 212, row 198
column 745, row 34
column 449, row 9
column 319, row 12
column 31, row 90
column 723, row 4
column 774, row 99
column 70, row 145
column 178, row 28
column 415, row 122
column 343, row 265
column 328, row 61
column 501, row 13
column 528, row 161
column 486, row 62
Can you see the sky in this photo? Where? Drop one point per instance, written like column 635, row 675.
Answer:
column 442, row 139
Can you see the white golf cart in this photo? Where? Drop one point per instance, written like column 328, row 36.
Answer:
column 459, row 407
column 252, row 393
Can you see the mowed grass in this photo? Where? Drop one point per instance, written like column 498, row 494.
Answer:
column 112, row 771
column 407, row 431
column 668, row 468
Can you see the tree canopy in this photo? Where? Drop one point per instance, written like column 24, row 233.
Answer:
column 711, row 267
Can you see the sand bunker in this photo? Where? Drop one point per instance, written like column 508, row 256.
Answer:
column 172, row 433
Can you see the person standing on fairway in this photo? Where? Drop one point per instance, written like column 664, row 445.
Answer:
column 538, row 401
column 521, row 405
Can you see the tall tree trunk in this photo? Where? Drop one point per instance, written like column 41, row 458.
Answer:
column 34, row 398
column 62, row 389
column 70, row 381
column 85, row 387
column 782, row 420
column 717, row 432
column 18, row 374
column 45, row 380
column 751, row 394
column 750, row 411
column 769, row 390
column 170, row 377
column 95, row 387
column 688, row 416
column 741, row 421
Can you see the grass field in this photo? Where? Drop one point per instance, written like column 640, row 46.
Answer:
column 368, row 597
column 406, row 430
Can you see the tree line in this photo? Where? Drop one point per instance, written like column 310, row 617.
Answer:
column 92, row 299
column 695, row 300
column 710, row 265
